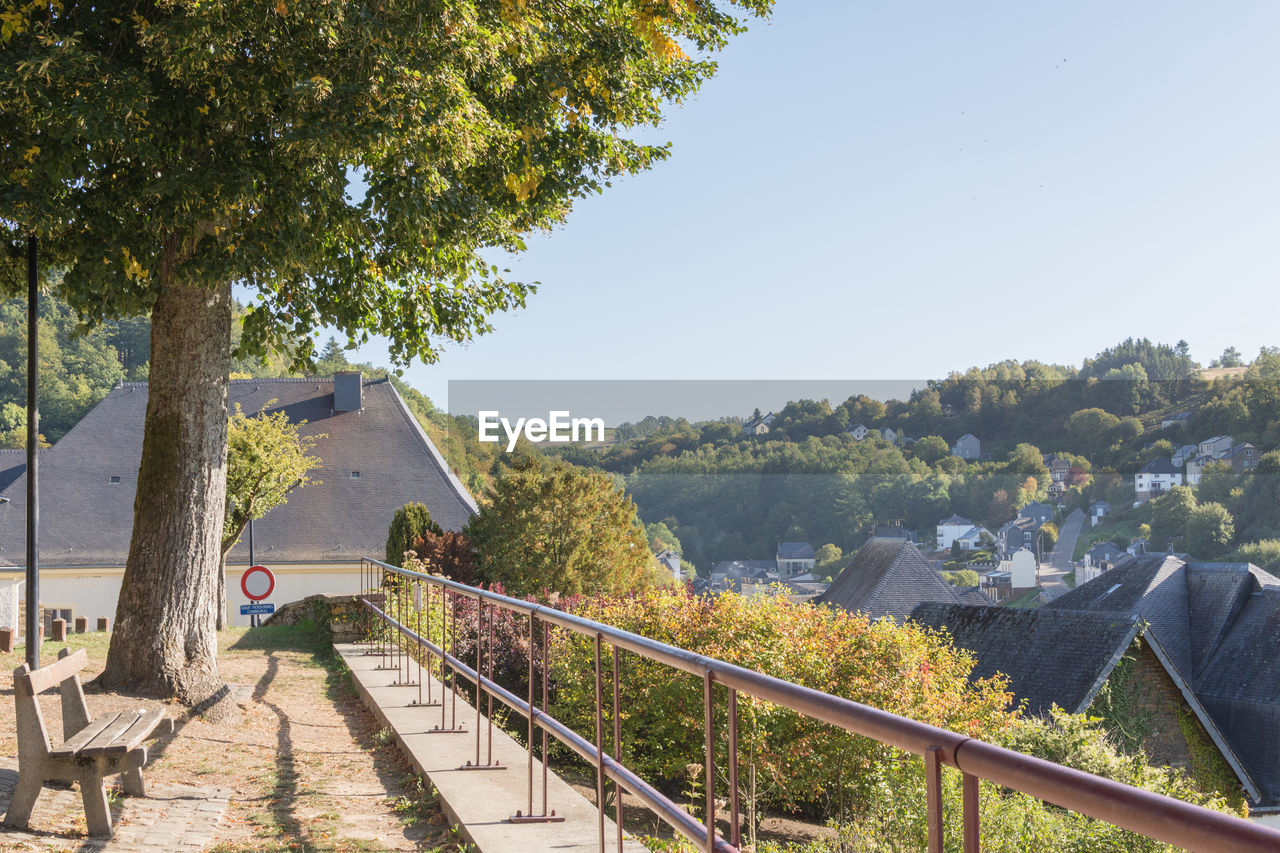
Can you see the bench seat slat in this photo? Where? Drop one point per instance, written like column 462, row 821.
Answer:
column 77, row 741
column 142, row 728
column 108, row 735
column 55, row 673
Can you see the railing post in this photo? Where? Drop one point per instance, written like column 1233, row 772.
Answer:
column 708, row 706
column 969, row 795
column 599, row 744
column 933, row 796
column 617, row 745
column 735, row 833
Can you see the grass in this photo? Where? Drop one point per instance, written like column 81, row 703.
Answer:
column 1026, row 600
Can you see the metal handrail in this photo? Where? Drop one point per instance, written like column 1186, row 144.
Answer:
column 1154, row 815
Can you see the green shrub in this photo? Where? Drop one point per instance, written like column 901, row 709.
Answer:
column 411, row 522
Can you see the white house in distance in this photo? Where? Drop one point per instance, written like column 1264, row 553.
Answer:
column 1022, row 569
column 889, row 435
column 858, row 431
column 374, row 459
column 671, row 560
column 974, row 538
column 1217, row 446
column 760, row 425
column 795, row 558
column 1154, row 479
column 951, row 529
column 967, row 446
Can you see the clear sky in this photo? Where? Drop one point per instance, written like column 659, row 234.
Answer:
column 897, row 190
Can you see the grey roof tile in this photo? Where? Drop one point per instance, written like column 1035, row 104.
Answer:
column 887, row 577
column 87, row 481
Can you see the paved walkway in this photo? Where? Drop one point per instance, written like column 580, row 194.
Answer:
column 1060, row 563
column 172, row 817
column 481, row 802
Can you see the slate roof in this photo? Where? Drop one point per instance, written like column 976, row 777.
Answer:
column 1153, row 587
column 1240, row 686
column 1100, row 550
column 1052, row 657
column 887, row 577
column 88, row 480
column 795, row 551
column 13, row 461
column 1219, row 625
column 954, row 520
column 1158, row 466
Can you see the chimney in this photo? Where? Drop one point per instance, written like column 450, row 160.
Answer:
column 347, row 388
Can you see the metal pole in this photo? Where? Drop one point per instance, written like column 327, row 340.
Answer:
column 33, row 461
column 253, row 617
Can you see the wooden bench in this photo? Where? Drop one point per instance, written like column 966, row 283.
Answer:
column 90, row 749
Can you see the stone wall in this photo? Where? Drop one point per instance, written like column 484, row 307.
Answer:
column 341, row 612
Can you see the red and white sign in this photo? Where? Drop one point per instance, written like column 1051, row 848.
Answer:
column 257, row 583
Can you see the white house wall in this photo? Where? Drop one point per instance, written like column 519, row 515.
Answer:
column 92, row 593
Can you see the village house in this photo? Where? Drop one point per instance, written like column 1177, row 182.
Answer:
column 1242, row 458
column 1102, row 554
column 671, row 561
column 760, row 425
column 858, row 431
column 1098, row 510
column 1184, row 454
column 1216, row 447
column 1154, row 479
column 795, row 558
column 1059, row 657
column 1016, row 535
column 888, row 577
column 967, row 447
column 950, row 529
column 975, row 539
column 374, row 457
column 1177, row 419
column 1216, row 624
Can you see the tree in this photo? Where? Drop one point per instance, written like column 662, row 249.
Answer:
column 1171, row 512
column 408, row 526
column 562, row 529
column 449, row 553
column 161, row 153
column 829, row 559
column 1230, row 358
column 661, row 538
column 1048, row 534
column 1090, row 430
column 930, row 449
column 1210, row 529
column 961, row 577
column 267, row 458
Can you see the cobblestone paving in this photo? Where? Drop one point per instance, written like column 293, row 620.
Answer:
column 172, row 817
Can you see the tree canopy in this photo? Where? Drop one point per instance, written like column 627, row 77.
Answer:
column 348, row 163
column 559, row 528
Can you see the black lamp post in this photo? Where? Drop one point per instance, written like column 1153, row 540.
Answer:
column 33, row 461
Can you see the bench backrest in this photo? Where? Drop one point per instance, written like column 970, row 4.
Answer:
column 29, row 683
column 40, row 680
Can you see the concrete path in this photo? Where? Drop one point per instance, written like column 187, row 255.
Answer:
column 1060, row 562
column 480, row 802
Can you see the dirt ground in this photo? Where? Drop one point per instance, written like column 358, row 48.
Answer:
column 307, row 765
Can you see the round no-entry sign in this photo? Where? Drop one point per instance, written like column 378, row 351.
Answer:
column 257, row 582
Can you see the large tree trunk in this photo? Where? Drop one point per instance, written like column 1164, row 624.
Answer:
column 165, row 643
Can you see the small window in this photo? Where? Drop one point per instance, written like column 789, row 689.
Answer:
column 115, row 478
column 355, row 475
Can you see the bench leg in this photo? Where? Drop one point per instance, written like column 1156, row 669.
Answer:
column 24, row 800
column 133, row 784
column 97, row 813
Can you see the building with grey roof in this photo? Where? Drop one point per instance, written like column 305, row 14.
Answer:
column 887, row 577
column 374, row 456
column 1219, row 625
column 1068, row 658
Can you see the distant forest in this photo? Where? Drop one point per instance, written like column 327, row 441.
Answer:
column 719, row 493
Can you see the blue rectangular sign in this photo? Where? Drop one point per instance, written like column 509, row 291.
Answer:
column 257, row 609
